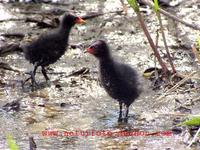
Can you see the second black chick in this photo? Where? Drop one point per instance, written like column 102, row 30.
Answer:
column 50, row 46
column 119, row 80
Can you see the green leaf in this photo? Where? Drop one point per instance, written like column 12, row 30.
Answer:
column 195, row 121
column 11, row 142
column 134, row 5
column 156, row 6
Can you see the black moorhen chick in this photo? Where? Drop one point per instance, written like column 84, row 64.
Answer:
column 119, row 80
column 50, row 46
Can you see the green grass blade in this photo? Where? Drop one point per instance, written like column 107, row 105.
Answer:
column 134, row 5
column 195, row 121
column 11, row 142
column 156, row 6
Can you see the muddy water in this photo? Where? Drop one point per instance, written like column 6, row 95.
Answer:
column 75, row 112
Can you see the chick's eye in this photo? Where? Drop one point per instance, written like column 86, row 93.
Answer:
column 93, row 47
column 96, row 46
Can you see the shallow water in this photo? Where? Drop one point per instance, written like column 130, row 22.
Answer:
column 79, row 103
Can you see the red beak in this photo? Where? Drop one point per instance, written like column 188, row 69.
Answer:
column 90, row 50
column 79, row 20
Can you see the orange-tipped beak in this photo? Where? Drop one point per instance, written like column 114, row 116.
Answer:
column 89, row 50
column 79, row 20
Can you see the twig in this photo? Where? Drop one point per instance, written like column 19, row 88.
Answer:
column 157, row 38
column 18, row 35
column 124, row 7
column 176, row 86
column 154, row 48
column 165, row 42
column 54, row 11
column 10, row 49
column 61, row 4
column 149, row 3
column 155, row 62
column 197, row 55
column 42, row 23
column 7, row 67
column 193, row 140
column 32, row 144
column 83, row 70
column 39, row 22
column 12, row 19
column 92, row 15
